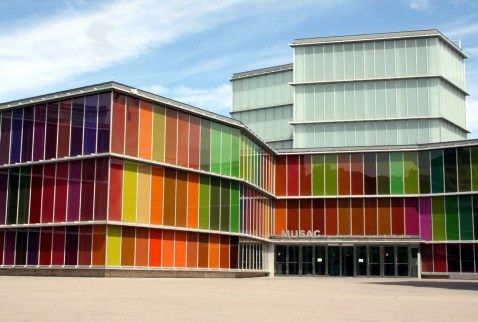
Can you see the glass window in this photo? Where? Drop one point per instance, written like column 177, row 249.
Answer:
column 383, row 173
column 104, row 110
column 17, row 121
column 27, row 136
column 436, row 157
column 91, row 116
column 396, row 172
column 76, row 142
column 450, row 170
column 451, row 205
column 464, row 171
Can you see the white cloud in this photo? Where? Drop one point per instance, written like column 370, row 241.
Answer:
column 72, row 43
column 419, row 4
column 216, row 99
column 472, row 117
column 463, row 28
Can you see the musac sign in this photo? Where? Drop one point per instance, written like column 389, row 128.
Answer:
column 301, row 233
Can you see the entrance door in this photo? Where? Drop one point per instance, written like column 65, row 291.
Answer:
column 293, row 260
column 319, row 260
column 307, row 260
column 389, row 260
column 402, row 261
column 347, row 261
column 333, row 257
column 361, row 260
column 374, row 260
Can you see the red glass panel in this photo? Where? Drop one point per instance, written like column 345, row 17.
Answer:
column 117, row 135
column 171, row 135
column 439, row 258
column 84, row 244
column 192, row 250
column 36, row 194
column 61, row 191
column 58, row 252
column 357, row 217
column 101, row 189
column 370, row 216
column 292, row 175
column 318, row 220
column 116, row 188
column 384, row 227
column 87, row 189
column 194, row 136
column 64, row 129
column 155, row 237
column 397, row 216
column 132, row 126
column 45, row 246
column 183, row 135
column 292, row 214
column 356, row 168
column 331, row 216
column 305, row 175
column 427, row 257
column 344, row 217
column 305, row 214
column 281, row 175
column 48, row 193
column 343, row 161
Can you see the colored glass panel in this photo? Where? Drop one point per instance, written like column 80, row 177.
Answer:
column 9, row 248
column 427, row 258
column 183, row 136
column 318, row 187
column 224, row 252
column 235, row 141
column 410, row 170
column 384, row 224
column 61, row 190
column 13, row 182
column 344, row 172
column 474, row 168
column 369, row 170
column 192, row 250
column 194, row 141
column 412, row 225
column 280, row 222
column 305, row 214
column 357, row 217
column 158, row 133
column 98, row 247
column 203, row 251
column 5, row 130
column 39, row 132
column 157, row 190
column 281, row 176
column 118, row 120
column 3, row 195
column 464, row 169
column 370, row 216
column 76, row 130
column 141, row 247
column 330, row 171
column 24, row 195
column 16, row 136
column 205, row 144
column 425, row 219
column 168, row 248
column 104, row 116
column 466, row 218
column 344, row 217
column 225, row 204
column 225, row 150
column 48, row 198
column 127, row 246
column 35, row 195
column 424, row 171
column 293, row 175
column 132, row 126
column 193, row 200
column 356, row 169
column 436, row 157
column 331, row 217
column 213, row 251
column 45, row 246
column 438, row 218
column 101, row 189
column 235, row 199
column 87, row 189
column 58, row 246
column 292, row 214
column 451, row 216
column 113, row 253
column 171, row 135
column 181, row 198
column 305, row 175
column 115, row 190
column 144, row 194
column 398, row 220
column 84, row 245
column 32, row 248
column 439, row 258
column 215, row 147
column 130, row 187
column 318, row 215
column 383, row 173
column 27, row 135
column 180, row 249
column 155, row 241
column 71, row 246
column 91, row 118
column 145, row 129
column 215, row 203
column 204, row 187
column 51, row 130
column 21, row 248
column 169, row 197
column 450, row 170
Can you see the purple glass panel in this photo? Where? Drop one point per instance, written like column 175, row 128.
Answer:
column 77, row 115
column 5, row 130
column 3, row 194
column 51, row 130
column 9, row 258
column 425, row 218
column 39, row 133
column 17, row 120
column 27, row 136
column 74, row 188
column 71, row 246
column 412, row 226
column 104, row 110
column 91, row 114
column 33, row 243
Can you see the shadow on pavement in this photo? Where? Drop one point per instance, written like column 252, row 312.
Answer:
column 451, row 285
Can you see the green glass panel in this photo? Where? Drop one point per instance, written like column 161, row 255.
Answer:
column 424, row 171
column 158, row 133
column 438, row 218
column 129, row 191
column 450, row 170
column 215, row 203
column 215, row 147
column 410, row 169
column 318, row 174
column 451, row 203
column 330, row 171
column 466, row 218
column 225, row 204
column 24, row 198
column 396, row 172
column 235, row 149
column 474, row 168
column 475, row 215
column 204, row 187
column 13, row 182
column 205, row 145
column 226, row 150
column 113, row 251
column 383, row 173
column 242, row 158
column 464, row 169
column 235, row 198
column 436, row 161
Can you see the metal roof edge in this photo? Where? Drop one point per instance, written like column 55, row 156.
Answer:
column 262, row 71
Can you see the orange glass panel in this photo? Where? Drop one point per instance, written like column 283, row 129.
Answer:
column 292, row 214
column 145, row 129
column 192, row 255
column 168, row 248
column 117, row 135
column 193, row 200
column 203, row 250
column 280, row 217
column 155, row 237
column 398, row 217
column 157, row 186
column 213, row 251
column 169, row 196
column 142, row 237
column 84, row 245
column 356, row 169
column 305, row 214
column 305, row 175
column 127, row 246
column 132, row 128
column 371, row 216
column 99, row 239
column 181, row 198
column 171, row 135
column 183, row 136
column 281, row 175
column 224, row 252
column 194, row 146
column 343, row 161
column 384, row 216
column 318, row 219
column 357, row 217
column 331, row 216
column 180, row 248
column 344, row 217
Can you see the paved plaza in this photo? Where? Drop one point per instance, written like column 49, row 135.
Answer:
column 258, row 299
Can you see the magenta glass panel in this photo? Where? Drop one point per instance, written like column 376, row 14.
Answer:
column 3, row 194
column 27, row 136
column 17, row 120
column 71, row 246
column 101, row 189
column 9, row 253
column 36, row 194
column 412, row 225
column 425, row 218
column 39, row 133
column 58, row 246
column 33, row 246
column 77, row 114
column 104, row 110
column 61, row 190
column 74, row 186
column 292, row 175
column 91, row 115
column 48, row 193
column 51, row 130
column 5, row 130
column 87, row 189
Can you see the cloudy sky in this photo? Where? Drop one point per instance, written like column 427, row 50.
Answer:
column 188, row 49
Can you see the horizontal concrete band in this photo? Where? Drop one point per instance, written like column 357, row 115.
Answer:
column 105, row 272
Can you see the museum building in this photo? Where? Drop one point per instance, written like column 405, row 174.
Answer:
column 351, row 161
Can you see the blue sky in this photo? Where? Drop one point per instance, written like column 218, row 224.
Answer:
column 188, row 49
